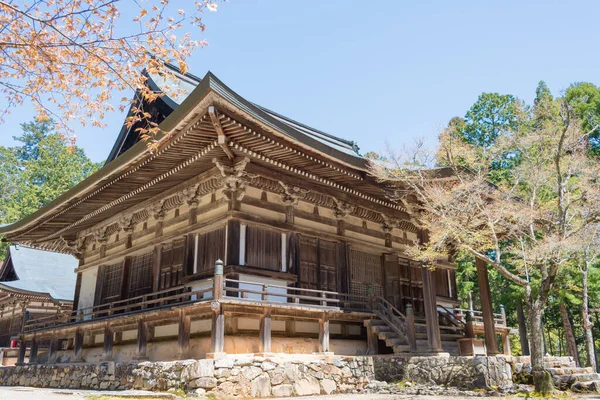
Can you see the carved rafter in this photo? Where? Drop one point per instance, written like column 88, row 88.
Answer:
column 76, row 247
column 157, row 210
column 126, row 223
column 191, row 195
column 324, row 200
column 389, row 223
column 101, row 235
column 234, row 179
column 292, row 194
column 342, row 209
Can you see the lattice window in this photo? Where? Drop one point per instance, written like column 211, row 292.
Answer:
column 140, row 275
column 365, row 270
column 111, row 284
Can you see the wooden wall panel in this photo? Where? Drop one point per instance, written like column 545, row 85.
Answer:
column 309, row 263
column 211, row 247
column 263, row 248
column 327, row 266
column 233, row 243
column 171, row 264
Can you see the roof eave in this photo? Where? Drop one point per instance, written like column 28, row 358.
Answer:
column 135, row 153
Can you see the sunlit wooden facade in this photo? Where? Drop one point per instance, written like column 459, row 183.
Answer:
column 312, row 247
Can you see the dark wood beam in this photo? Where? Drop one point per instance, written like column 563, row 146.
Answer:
column 221, row 137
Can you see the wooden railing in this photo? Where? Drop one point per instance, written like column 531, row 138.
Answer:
column 280, row 294
column 152, row 301
column 477, row 317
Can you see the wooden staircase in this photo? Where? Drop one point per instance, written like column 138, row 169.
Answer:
column 394, row 330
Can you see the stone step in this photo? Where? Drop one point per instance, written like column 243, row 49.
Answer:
column 404, row 348
column 560, row 364
column 446, row 336
column 571, row 370
column 589, row 386
column 564, row 382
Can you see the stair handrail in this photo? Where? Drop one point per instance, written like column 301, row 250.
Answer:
column 450, row 317
column 396, row 321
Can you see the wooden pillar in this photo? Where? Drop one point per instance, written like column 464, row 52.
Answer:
column 78, row 346
column 156, row 268
column 506, row 343
column 265, row 332
column 372, row 341
column 22, row 351
column 217, row 335
column 33, row 351
column 218, row 281
column 184, row 334
column 324, row 333
column 434, row 340
column 52, row 350
column 193, row 214
column 142, row 340
column 108, row 342
column 410, row 328
column 486, row 307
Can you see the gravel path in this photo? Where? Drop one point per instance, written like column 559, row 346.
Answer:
column 27, row 393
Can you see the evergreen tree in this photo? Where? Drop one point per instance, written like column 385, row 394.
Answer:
column 40, row 168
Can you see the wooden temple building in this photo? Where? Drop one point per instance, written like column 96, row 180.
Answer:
column 242, row 232
column 33, row 284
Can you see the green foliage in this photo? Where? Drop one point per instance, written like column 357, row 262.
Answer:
column 488, row 125
column 492, row 114
column 585, row 100
column 42, row 167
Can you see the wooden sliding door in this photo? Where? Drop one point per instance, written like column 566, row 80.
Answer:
column 171, row 265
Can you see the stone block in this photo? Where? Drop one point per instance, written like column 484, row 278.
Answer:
column 307, row 386
column 261, row 386
column 204, row 383
column 285, row 390
column 251, row 372
column 328, row 386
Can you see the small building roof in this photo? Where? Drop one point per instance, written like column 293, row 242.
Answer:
column 39, row 272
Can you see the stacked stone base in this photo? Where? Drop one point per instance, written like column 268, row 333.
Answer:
column 249, row 376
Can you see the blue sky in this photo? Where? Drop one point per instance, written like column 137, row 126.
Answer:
column 377, row 71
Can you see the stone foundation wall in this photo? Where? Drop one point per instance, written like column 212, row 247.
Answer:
column 249, row 376
column 244, row 376
column 461, row 372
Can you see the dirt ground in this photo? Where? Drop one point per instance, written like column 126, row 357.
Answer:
column 22, row 393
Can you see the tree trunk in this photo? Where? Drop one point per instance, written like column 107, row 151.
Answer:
column 587, row 322
column 522, row 328
column 541, row 378
column 569, row 336
column 546, row 335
